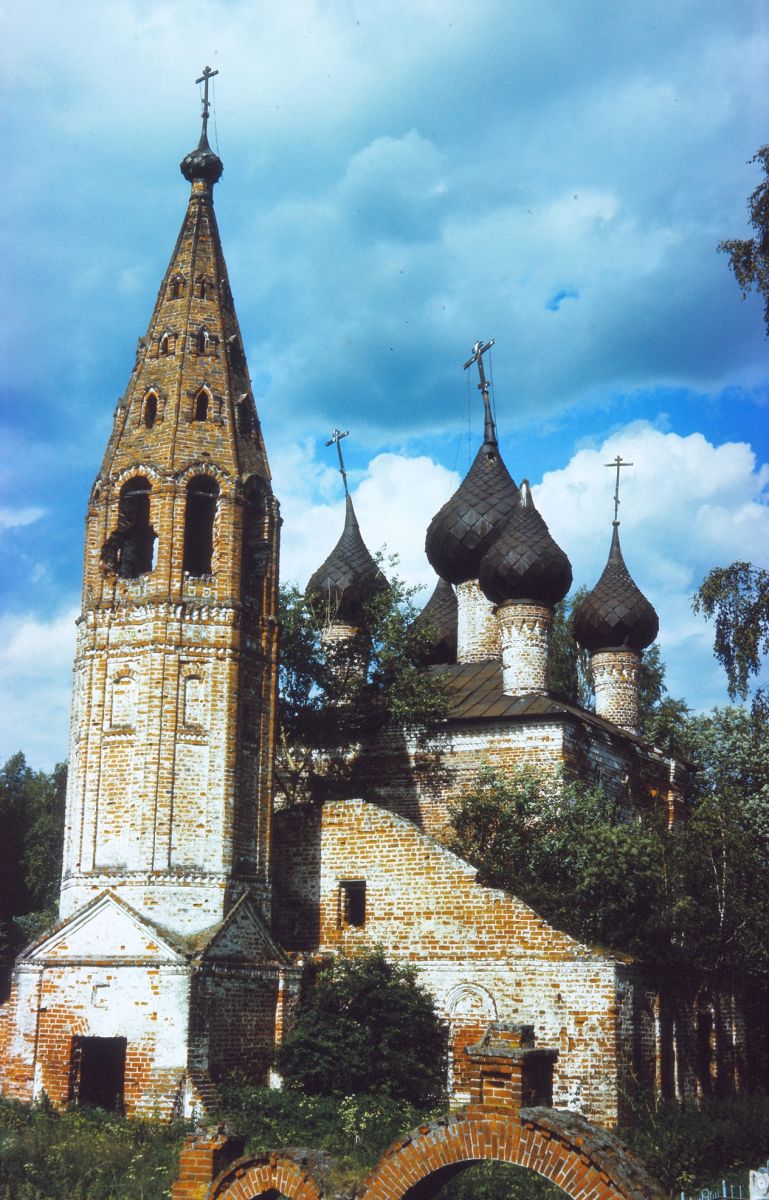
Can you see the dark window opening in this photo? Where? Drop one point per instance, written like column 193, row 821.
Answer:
column 202, row 494
column 97, row 1072
column 200, row 288
column 130, row 549
column 204, row 343
column 150, row 410
column 255, row 546
column 165, row 345
column 352, row 902
column 176, row 287
column 245, row 417
column 200, row 412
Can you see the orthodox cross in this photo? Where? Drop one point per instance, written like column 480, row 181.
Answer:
column 618, row 464
column 477, row 357
column 336, row 437
column 204, row 78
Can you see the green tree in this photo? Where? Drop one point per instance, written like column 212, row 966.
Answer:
column 737, row 598
column 749, row 257
column 32, row 817
column 568, row 666
column 367, row 1026
column 327, row 704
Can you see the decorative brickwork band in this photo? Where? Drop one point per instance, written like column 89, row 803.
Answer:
column 615, row 674
column 524, row 639
column 476, row 626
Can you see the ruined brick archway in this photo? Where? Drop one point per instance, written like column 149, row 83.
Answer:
column 587, row 1162
column 267, row 1175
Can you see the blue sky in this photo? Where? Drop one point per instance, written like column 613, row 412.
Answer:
column 400, row 179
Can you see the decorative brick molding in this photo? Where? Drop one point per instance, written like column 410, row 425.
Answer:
column 524, row 637
column 476, row 625
column 615, row 673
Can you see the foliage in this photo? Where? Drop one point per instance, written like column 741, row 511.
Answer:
column 749, row 257
column 571, row 852
column 686, row 1146
column 610, row 876
column 85, row 1154
column 32, row 819
column 358, row 1128
column 328, row 701
column 367, row 1025
column 498, row 1181
column 569, row 677
column 738, row 598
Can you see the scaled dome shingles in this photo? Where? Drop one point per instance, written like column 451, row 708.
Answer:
column 440, row 615
column 461, row 531
column 615, row 613
column 202, row 163
column 524, row 562
column 349, row 577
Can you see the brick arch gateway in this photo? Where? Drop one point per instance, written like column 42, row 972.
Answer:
column 585, row 1161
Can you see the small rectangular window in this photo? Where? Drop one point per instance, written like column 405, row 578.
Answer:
column 352, row 903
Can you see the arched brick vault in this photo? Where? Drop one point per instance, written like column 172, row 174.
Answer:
column 587, row 1162
column 274, row 1173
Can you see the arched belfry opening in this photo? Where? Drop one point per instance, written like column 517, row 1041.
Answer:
column 199, row 518
column 129, row 550
column 150, row 413
column 201, row 405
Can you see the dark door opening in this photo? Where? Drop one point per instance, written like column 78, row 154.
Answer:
column 98, row 1072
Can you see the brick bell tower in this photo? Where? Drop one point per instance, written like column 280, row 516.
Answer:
column 162, row 973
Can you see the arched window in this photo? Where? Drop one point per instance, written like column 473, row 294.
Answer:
column 176, row 287
column 202, row 494
column 200, row 409
column 129, row 550
column 202, row 341
column 164, row 346
column 150, row 409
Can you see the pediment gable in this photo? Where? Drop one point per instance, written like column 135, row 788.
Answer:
column 244, row 937
column 105, row 929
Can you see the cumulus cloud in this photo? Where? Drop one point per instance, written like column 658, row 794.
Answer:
column 13, row 518
column 35, row 685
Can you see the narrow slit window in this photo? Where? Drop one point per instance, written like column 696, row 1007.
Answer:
column 352, row 903
column 150, row 409
column 202, row 495
column 201, row 406
column 200, row 288
column 165, row 345
column 176, row 287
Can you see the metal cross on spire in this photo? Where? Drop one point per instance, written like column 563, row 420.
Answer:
column 336, row 437
column 479, row 349
column 618, row 464
column 204, row 78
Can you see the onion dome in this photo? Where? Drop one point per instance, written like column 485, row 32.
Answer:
column 524, row 562
column 616, row 613
column 202, row 163
column 349, row 576
column 461, row 532
column 439, row 615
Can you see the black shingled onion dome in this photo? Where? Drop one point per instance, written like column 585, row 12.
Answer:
column 524, row 562
column 202, row 163
column 440, row 616
column 349, row 577
column 461, row 532
column 616, row 613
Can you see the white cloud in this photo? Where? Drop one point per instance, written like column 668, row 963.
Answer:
column 13, row 518
column 35, row 686
column 686, row 506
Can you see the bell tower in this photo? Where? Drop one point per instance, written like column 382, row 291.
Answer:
column 175, row 677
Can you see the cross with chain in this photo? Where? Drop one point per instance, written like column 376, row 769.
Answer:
column 336, row 437
column 204, row 78
column 477, row 357
column 618, row 464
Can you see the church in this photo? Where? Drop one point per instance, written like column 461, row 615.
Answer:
column 191, row 904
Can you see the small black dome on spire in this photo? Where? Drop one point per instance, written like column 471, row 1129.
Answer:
column 616, row 613
column 461, row 532
column 440, row 616
column 202, row 163
column 524, row 562
column 349, row 576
